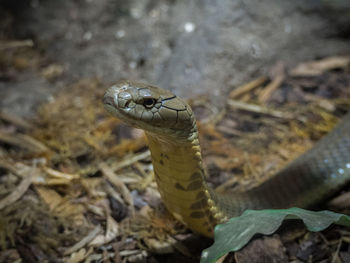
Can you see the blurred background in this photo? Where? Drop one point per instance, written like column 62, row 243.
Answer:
column 190, row 47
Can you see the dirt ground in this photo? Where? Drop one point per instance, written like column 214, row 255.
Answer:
column 275, row 72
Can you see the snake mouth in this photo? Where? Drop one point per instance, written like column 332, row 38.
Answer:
column 117, row 108
column 111, row 104
column 108, row 100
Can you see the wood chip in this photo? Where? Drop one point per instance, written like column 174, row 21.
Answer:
column 79, row 256
column 259, row 109
column 15, row 120
column 18, row 192
column 8, row 166
column 117, row 257
column 16, row 44
column 60, row 175
column 236, row 93
column 50, row 197
column 126, row 253
column 315, row 68
column 112, row 231
column 323, row 103
column 277, row 74
column 270, row 88
column 84, row 241
column 62, row 206
column 159, row 246
column 131, row 160
column 24, row 142
column 113, row 178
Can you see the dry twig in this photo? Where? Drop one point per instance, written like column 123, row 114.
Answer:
column 16, row 44
column 23, row 141
column 113, row 178
column 19, row 191
column 236, row 93
column 315, row 68
column 15, row 120
column 131, row 160
column 84, row 241
column 259, row 109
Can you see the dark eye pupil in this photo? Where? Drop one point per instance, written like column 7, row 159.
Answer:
column 148, row 102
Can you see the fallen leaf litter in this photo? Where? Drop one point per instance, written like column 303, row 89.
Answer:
column 90, row 176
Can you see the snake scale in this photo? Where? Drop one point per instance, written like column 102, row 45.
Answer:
column 172, row 135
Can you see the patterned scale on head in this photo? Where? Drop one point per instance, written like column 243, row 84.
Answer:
column 148, row 107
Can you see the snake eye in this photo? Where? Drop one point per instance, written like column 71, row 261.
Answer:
column 149, row 103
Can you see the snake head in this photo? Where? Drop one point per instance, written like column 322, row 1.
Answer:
column 150, row 108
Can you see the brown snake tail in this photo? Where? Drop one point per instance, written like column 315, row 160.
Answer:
column 170, row 127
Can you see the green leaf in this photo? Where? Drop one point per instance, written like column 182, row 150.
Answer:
column 237, row 232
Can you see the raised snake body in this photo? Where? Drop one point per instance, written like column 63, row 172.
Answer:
column 170, row 127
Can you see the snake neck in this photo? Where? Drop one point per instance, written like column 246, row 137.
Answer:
column 309, row 179
column 173, row 140
column 180, row 176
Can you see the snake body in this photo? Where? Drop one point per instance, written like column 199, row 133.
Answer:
column 170, row 127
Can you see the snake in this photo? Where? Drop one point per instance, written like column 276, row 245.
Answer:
column 172, row 134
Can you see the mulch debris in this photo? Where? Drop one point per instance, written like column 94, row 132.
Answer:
column 76, row 185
